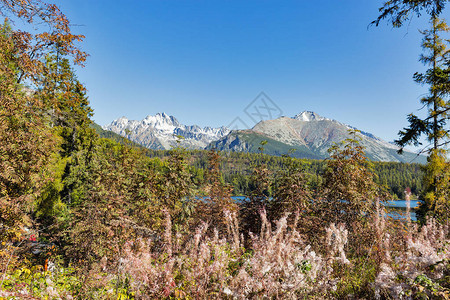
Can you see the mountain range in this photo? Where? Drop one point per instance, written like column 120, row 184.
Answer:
column 164, row 132
column 308, row 133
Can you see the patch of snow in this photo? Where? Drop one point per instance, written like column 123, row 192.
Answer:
column 308, row 116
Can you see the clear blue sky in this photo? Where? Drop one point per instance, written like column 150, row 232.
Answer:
column 204, row 61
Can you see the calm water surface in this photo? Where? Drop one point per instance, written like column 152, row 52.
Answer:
column 396, row 208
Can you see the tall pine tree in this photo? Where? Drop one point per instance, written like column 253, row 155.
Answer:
column 435, row 125
column 437, row 78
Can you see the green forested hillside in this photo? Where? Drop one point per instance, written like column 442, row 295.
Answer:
column 237, row 168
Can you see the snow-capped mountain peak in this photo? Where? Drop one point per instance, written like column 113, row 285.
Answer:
column 161, row 121
column 161, row 130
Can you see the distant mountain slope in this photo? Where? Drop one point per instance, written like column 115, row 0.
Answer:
column 113, row 136
column 250, row 141
column 311, row 135
column 163, row 131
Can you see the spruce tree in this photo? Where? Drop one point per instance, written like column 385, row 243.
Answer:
column 400, row 11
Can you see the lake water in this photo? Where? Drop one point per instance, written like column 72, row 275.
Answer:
column 402, row 203
column 396, row 208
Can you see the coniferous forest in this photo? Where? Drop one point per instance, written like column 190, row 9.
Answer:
column 86, row 214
